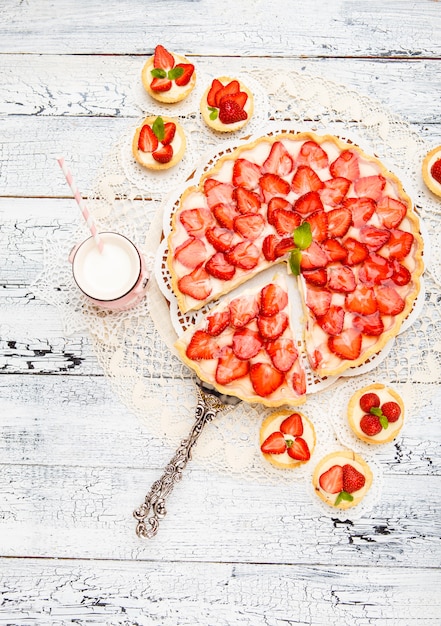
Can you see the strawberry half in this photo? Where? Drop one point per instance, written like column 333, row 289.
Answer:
column 147, row 141
column 318, row 277
column 285, row 222
column 362, row 209
column 435, row 171
column 229, row 89
column 273, row 299
column 292, row 425
column 247, row 201
column 249, row 225
column 345, row 165
column 161, row 84
column 357, row 252
column 229, row 367
column 299, row 450
column 339, row 221
column 371, row 325
column 341, row 278
column 274, row 444
column 308, row 203
column 278, row 161
column 164, row 154
column 319, row 225
column 305, row 179
column 313, row 155
column 242, row 310
column 375, row 270
column 399, row 244
column 197, row 284
column 185, row 78
column 362, row 300
column 162, row 58
column 191, row 252
column 283, row 353
column 331, row 481
column 196, row 221
column 332, row 321
column 244, row 255
column 247, row 343
column 274, row 185
column 169, row 133
column 272, row 327
column 347, row 345
column 215, row 87
column 334, row 190
column 265, row 379
column 218, row 267
column 370, row 186
column 246, row 174
column 318, row 301
column 391, row 212
column 203, row 346
column 389, row 301
column 220, row 238
column 217, row 322
column 225, row 214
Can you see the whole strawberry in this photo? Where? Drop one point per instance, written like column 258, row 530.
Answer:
column 370, row 425
column 369, row 400
column 392, row 411
column 231, row 112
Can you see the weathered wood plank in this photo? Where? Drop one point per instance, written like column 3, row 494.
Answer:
column 177, row 594
column 285, row 28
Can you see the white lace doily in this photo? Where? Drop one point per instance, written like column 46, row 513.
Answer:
column 132, row 346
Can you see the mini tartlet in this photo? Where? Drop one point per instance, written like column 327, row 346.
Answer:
column 158, row 143
column 168, row 77
column 287, row 438
column 432, row 170
column 376, row 414
column 227, row 105
column 342, row 479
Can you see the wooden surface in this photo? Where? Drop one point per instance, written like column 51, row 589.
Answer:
column 74, row 462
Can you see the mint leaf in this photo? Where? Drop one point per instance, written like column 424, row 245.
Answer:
column 384, row 421
column 375, row 410
column 343, row 495
column 295, row 257
column 175, row 73
column 214, row 113
column 303, row 236
column 157, row 72
column 158, row 128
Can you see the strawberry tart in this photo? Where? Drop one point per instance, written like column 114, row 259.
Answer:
column 158, row 143
column 342, row 479
column 342, row 224
column 376, row 413
column 287, row 439
column 432, row 170
column 227, row 105
column 168, row 77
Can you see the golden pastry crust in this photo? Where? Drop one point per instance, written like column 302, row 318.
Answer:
column 342, row 458
column 216, row 124
column 179, row 145
column 272, row 423
column 176, row 94
column 433, row 156
column 355, row 413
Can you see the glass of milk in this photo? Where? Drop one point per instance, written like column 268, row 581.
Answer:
column 114, row 279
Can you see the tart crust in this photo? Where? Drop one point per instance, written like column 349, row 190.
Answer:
column 355, row 413
column 179, row 145
column 433, row 156
column 272, row 424
column 342, row 458
column 176, row 93
column 217, row 124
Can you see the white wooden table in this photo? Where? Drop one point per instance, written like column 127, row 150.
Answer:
column 74, row 462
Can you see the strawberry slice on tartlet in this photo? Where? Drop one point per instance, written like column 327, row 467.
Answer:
column 227, row 105
column 168, row 77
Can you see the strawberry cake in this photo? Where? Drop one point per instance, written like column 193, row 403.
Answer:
column 227, row 105
column 158, row 143
column 342, row 479
column 168, row 77
column 432, row 170
column 287, row 439
column 376, row 414
column 342, row 224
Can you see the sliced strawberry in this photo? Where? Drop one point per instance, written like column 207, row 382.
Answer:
column 274, row 185
column 375, row 270
column 231, row 112
column 279, row 160
column 332, row 321
column 277, row 203
column 389, row 300
column 299, row 382
column 218, row 267
column 299, row 450
column 244, row 255
column 249, row 225
column 242, row 310
column 197, row 284
column 370, row 186
column 313, row 155
column 184, row 79
column 160, row 85
column 313, row 257
column 273, row 299
column 218, row 192
column 272, row 327
column 162, row 58
column 269, row 247
column 370, row 425
column 347, row 345
column 339, row 221
column 217, row 322
column 362, row 300
column 319, row 301
column 318, row 277
column 203, row 346
column 228, row 89
column 164, row 154
column 220, row 238
column 374, row 238
column 210, row 183
column 345, row 165
column 400, row 244
column 401, row 275
column 391, row 410
column 353, row 480
column 292, row 425
column 283, row 353
column 305, row 179
column 274, row 444
column 357, row 252
column 391, row 212
column 246, row 174
column 362, row 209
column 196, row 221
column 283, row 246
column 247, row 201
column 169, row 132
column 341, row 278
column 265, row 379
column 247, row 343
column 334, row 190
column 148, row 141
column 319, row 225
column 308, row 203
column 191, row 252
column 371, row 325
column 435, row 170
column 285, row 222
column 239, row 97
column 229, row 367
column 335, row 250
column 331, row 481
column 215, row 87
column 225, row 214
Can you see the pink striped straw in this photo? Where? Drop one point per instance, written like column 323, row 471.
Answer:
column 84, row 210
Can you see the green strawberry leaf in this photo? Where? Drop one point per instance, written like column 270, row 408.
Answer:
column 303, row 236
column 157, row 72
column 175, row 73
column 158, row 128
column 343, row 495
column 213, row 112
column 295, row 257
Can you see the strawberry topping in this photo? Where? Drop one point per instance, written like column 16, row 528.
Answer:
column 278, row 161
column 331, row 481
column 247, row 343
column 203, row 346
column 345, row 165
column 230, row 367
column 299, row 450
column 283, row 353
column 368, row 401
column 292, row 425
column 265, row 379
column 273, row 299
column 353, row 480
column 370, row 425
column 274, row 444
